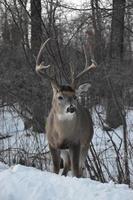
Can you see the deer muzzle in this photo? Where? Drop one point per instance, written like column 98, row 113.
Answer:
column 71, row 109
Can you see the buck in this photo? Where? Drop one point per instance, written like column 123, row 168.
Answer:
column 69, row 126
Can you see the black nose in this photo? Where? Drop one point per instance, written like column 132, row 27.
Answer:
column 71, row 109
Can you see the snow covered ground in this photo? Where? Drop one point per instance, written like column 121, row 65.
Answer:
column 27, row 183
column 32, row 148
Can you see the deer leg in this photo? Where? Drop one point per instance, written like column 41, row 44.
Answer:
column 66, row 162
column 55, row 153
column 74, row 157
column 83, row 154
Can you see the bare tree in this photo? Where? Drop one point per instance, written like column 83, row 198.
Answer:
column 114, row 109
column 36, row 38
column 36, row 26
column 97, row 25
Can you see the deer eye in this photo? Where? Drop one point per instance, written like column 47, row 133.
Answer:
column 60, row 97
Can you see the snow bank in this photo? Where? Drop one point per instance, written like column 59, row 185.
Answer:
column 10, row 121
column 3, row 166
column 26, row 183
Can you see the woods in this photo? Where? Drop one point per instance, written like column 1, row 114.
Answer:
column 25, row 25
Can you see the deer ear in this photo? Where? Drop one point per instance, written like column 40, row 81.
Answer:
column 55, row 86
column 83, row 88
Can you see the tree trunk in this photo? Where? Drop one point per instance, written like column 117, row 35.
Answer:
column 36, row 35
column 97, row 25
column 114, row 107
column 36, row 26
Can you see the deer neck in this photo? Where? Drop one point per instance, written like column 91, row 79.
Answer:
column 66, row 117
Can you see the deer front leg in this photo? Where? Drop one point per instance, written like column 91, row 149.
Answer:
column 66, row 161
column 83, row 155
column 55, row 153
column 74, row 157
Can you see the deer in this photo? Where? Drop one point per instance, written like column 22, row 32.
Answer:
column 69, row 126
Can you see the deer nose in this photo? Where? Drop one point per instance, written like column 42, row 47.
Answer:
column 71, row 109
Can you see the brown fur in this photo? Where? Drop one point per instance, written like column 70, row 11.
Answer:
column 69, row 125
column 74, row 134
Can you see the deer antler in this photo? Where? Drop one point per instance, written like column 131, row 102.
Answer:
column 41, row 67
column 86, row 69
column 40, row 64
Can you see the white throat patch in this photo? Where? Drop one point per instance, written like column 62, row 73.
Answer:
column 66, row 116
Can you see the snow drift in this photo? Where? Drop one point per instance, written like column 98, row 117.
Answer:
column 27, row 183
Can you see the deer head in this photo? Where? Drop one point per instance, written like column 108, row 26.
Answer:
column 64, row 97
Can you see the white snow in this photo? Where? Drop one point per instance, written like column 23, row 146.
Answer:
column 10, row 122
column 3, row 166
column 27, row 183
column 29, row 145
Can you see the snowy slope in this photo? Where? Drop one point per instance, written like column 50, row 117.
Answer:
column 26, row 183
column 32, row 147
column 3, row 166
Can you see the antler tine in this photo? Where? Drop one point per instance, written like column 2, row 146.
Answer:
column 93, row 65
column 72, row 71
column 86, row 68
column 40, row 64
column 86, row 59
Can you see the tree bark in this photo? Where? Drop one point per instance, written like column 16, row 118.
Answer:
column 36, row 37
column 114, row 107
column 97, row 25
column 36, row 26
